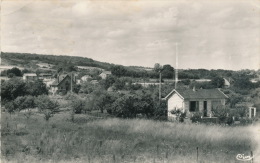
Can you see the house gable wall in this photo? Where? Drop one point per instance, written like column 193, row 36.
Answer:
column 62, row 85
column 174, row 102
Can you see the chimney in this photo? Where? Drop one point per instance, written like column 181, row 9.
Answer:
column 58, row 77
column 194, row 89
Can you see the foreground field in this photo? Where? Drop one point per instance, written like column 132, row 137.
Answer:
column 90, row 139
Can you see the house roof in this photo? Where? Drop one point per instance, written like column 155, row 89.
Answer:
column 106, row 72
column 86, row 76
column 226, row 82
column 45, row 74
column 61, row 77
column 198, row 94
column 29, row 74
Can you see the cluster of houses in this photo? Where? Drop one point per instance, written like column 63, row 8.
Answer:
column 63, row 82
column 189, row 101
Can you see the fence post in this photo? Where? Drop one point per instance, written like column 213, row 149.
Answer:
column 88, row 159
column 157, row 150
column 252, row 156
column 197, row 154
column 114, row 158
column 100, row 143
column 166, row 156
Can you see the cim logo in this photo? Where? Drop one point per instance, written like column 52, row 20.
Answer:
column 242, row 157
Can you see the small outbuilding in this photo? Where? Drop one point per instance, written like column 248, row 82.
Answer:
column 30, row 76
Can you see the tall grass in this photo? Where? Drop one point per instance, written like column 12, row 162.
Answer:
column 118, row 140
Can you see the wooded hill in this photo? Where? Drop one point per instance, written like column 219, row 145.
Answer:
column 69, row 63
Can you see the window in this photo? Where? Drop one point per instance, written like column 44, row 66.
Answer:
column 194, row 106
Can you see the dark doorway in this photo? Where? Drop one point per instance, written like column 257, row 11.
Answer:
column 205, row 110
column 67, row 86
column 194, row 106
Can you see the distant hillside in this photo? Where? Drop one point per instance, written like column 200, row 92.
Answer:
column 25, row 59
column 54, row 62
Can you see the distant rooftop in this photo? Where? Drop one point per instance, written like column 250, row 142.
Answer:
column 29, row 74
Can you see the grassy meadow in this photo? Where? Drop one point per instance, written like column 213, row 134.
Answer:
column 91, row 139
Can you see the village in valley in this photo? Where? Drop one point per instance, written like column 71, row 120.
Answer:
column 85, row 94
column 130, row 81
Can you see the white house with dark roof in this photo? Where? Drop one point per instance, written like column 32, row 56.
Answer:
column 192, row 100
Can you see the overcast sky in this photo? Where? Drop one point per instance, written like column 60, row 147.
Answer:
column 210, row 34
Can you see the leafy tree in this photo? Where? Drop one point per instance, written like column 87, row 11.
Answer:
column 103, row 100
column 13, row 88
column 71, row 68
column 78, row 105
column 10, row 107
column 24, row 102
column 119, row 84
column 167, row 71
column 124, row 107
column 15, row 71
column 87, row 87
column 238, row 112
column 243, row 82
column 157, row 67
column 36, row 88
column 108, row 82
column 94, row 72
column 10, row 75
column 160, row 110
column 118, row 70
column 234, row 99
column 76, row 88
column 222, row 112
column 217, row 82
column 25, row 71
column 4, row 73
column 47, row 106
column 129, row 105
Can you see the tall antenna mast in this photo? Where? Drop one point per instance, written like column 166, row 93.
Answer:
column 176, row 68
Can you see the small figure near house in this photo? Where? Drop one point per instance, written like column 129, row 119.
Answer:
column 105, row 74
column 190, row 101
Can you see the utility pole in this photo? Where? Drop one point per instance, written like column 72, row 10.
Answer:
column 160, row 86
column 176, row 68
column 71, row 82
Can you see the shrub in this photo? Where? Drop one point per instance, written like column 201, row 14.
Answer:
column 14, row 71
column 46, row 106
column 78, row 105
column 10, row 107
column 12, row 88
column 196, row 117
column 129, row 105
column 160, row 111
column 221, row 112
column 36, row 88
column 24, row 102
